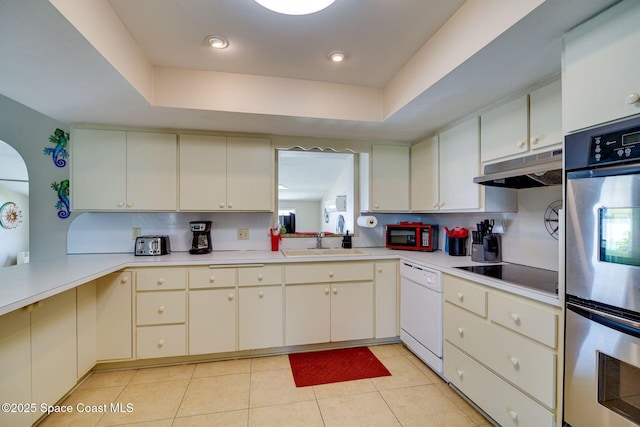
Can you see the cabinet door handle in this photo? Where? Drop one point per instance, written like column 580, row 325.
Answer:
column 335, row 291
column 124, row 280
column 521, row 144
column 260, row 277
column 514, row 361
column 230, row 204
column 461, row 332
column 221, row 204
column 160, row 343
column 376, row 206
column 160, row 280
column 261, row 294
column 435, row 204
column 326, row 291
column 212, row 279
column 460, row 373
column 513, row 414
column 535, row 139
column 331, row 274
column 632, row 98
column 515, row 318
column 379, row 269
column 161, row 309
column 129, row 204
column 120, row 204
column 460, row 297
column 230, row 297
column 441, row 204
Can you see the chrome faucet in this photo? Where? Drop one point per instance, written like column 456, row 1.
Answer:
column 319, row 237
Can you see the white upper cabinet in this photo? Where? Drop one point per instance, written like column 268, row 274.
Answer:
column 389, row 178
column 425, row 175
column 459, row 164
column 118, row 170
column 203, row 172
column 545, row 116
column 237, row 173
column 523, row 125
column 600, row 79
column 505, row 129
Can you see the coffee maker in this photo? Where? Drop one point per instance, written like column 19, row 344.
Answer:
column 201, row 241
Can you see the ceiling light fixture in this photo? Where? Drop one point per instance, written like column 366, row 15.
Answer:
column 337, row 56
column 295, row 7
column 217, row 42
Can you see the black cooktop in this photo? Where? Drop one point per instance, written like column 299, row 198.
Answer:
column 523, row 275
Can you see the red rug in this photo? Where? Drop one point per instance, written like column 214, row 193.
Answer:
column 332, row 366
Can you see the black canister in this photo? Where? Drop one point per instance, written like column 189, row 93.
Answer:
column 457, row 246
column 346, row 241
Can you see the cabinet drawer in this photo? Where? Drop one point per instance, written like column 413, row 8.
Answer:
column 534, row 322
column 267, row 275
column 160, row 279
column 505, row 404
column 161, row 341
column 329, row 272
column 212, row 277
column 527, row 365
column 154, row 308
column 461, row 293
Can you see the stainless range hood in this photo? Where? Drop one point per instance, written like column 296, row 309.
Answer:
column 536, row 170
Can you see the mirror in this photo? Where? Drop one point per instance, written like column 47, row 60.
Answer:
column 14, row 207
column 316, row 192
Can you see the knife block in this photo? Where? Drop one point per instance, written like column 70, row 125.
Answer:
column 490, row 250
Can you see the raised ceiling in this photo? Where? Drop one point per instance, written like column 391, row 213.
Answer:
column 413, row 66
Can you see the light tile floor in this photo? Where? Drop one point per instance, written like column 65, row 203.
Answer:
column 261, row 392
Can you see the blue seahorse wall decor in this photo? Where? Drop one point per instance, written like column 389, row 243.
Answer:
column 63, row 206
column 59, row 152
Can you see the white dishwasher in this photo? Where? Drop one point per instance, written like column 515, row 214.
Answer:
column 421, row 312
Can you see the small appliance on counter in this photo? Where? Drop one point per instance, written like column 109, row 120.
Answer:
column 414, row 236
column 456, row 243
column 152, row 245
column 201, row 242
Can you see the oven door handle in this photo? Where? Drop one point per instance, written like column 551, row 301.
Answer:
column 621, row 324
column 606, row 171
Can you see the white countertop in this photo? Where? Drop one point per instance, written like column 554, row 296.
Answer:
column 26, row 284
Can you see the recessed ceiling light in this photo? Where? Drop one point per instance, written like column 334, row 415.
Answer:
column 217, row 42
column 295, row 7
column 337, row 56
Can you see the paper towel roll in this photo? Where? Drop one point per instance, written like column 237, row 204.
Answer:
column 367, row 221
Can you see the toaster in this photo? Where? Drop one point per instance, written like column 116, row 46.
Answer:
column 152, row 245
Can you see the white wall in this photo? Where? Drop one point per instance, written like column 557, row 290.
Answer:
column 16, row 239
column 28, row 132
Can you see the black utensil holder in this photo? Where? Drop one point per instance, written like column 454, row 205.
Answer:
column 457, row 246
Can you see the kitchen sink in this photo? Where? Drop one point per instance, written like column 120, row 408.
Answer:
column 322, row 252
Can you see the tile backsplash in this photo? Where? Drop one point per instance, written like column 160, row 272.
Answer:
column 525, row 241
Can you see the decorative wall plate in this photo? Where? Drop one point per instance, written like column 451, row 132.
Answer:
column 551, row 218
column 10, row 215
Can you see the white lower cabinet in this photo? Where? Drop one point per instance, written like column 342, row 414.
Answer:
column 386, row 297
column 503, row 402
column 324, row 311
column 161, row 315
column 212, row 310
column 114, row 326
column 260, row 317
column 38, row 359
column 212, row 320
column 506, row 344
column 53, row 348
column 15, row 366
column 87, row 327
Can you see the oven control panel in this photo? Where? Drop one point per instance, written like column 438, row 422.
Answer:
column 615, row 147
